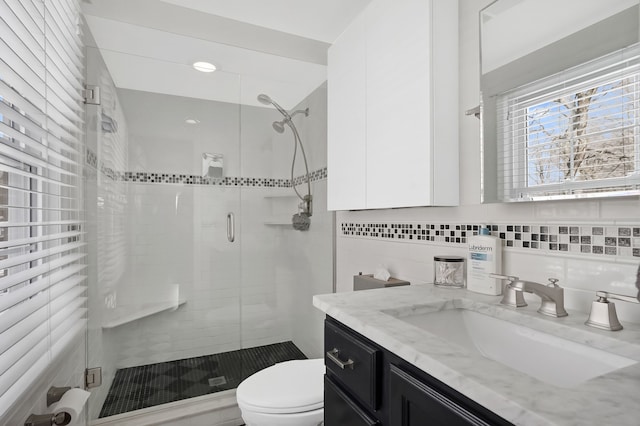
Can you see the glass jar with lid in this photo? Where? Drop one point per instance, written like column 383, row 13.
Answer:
column 449, row 271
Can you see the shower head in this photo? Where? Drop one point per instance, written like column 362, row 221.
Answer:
column 266, row 100
column 278, row 126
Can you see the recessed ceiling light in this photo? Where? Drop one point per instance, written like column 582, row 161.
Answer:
column 191, row 121
column 204, row 66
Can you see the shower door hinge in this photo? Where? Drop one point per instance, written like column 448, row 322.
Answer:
column 91, row 94
column 92, row 377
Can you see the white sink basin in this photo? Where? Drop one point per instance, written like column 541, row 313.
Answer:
column 546, row 357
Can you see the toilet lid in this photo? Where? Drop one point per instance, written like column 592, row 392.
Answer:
column 287, row 387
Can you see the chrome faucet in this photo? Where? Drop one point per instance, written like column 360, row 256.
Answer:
column 551, row 295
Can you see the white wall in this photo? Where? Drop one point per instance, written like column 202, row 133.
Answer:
column 581, row 275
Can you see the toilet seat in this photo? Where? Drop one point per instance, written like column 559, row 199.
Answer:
column 285, row 388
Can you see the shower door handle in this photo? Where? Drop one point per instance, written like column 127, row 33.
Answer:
column 231, row 227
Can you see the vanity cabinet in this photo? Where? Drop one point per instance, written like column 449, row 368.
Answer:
column 393, row 107
column 399, row 394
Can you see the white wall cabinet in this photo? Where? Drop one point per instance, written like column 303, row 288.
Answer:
column 393, row 107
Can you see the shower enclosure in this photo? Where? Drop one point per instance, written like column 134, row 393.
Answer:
column 197, row 278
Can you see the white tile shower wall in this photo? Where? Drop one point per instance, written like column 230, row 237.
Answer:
column 252, row 292
column 580, row 275
column 178, row 236
column 310, row 255
column 161, row 140
column 313, row 133
column 306, row 256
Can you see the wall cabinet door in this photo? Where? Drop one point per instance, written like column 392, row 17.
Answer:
column 346, row 154
column 393, row 130
column 412, row 402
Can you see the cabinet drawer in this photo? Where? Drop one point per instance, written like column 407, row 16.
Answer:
column 340, row 410
column 353, row 362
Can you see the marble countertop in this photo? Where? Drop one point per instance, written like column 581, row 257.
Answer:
column 610, row 399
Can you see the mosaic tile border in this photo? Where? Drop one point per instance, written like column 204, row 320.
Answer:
column 186, row 179
column 606, row 240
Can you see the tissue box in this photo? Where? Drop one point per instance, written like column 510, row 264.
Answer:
column 367, row 282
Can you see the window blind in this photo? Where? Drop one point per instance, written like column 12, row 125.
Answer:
column 573, row 133
column 42, row 281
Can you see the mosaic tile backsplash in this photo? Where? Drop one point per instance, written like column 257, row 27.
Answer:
column 609, row 240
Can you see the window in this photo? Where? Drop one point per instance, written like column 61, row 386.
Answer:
column 42, row 292
column 575, row 133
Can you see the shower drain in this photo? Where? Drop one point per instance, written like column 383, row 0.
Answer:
column 217, row 381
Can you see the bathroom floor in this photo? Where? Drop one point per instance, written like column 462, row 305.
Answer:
column 154, row 384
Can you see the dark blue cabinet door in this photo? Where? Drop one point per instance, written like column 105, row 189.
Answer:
column 414, row 403
column 341, row 410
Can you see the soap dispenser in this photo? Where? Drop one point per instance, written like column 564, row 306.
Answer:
column 484, row 258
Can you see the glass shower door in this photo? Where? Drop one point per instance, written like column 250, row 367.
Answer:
column 162, row 168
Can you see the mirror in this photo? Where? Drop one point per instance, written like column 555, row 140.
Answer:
column 559, row 99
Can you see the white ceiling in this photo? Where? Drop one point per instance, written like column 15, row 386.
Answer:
column 322, row 20
column 150, row 45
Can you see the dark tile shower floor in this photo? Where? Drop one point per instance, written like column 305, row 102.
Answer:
column 154, row 384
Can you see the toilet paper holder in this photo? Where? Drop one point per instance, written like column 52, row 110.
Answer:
column 54, row 394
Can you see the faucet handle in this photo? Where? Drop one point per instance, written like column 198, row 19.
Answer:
column 504, row 277
column 603, row 313
column 552, row 282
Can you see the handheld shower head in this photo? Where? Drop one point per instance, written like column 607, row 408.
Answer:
column 266, row 100
column 278, row 126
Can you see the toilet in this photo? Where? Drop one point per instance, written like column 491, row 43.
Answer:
column 290, row 393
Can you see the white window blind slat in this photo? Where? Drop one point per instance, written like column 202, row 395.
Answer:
column 39, row 223
column 66, row 339
column 62, row 97
column 13, row 68
column 22, row 328
column 32, row 21
column 21, row 156
column 11, row 97
column 15, row 316
column 71, row 71
column 20, row 41
column 22, row 367
column 65, row 36
column 42, row 238
column 9, row 358
column 72, row 305
column 65, row 285
column 13, row 261
column 62, row 276
column 70, row 201
column 33, row 272
column 64, row 135
column 9, row 113
column 28, row 175
column 30, row 374
column 55, row 110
